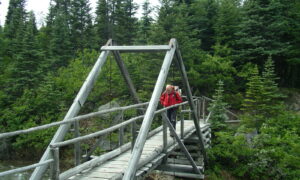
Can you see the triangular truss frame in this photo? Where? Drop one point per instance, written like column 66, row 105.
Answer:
column 172, row 52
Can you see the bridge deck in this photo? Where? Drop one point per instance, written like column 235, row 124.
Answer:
column 115, row 167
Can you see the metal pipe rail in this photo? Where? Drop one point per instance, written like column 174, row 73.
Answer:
column 25, row 168
column 71, row 120
column 110, row 129
column 55, row 146
column 46, row 126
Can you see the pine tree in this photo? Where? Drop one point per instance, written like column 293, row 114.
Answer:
column 61, row 48
column 145, row 24
column 272, row 96
column 217, row 108
column 203, row 20
column 15, row 18
column 25, row 73
column 265, row 30
column 14, row 25
column 102, row 23
column 81, row 24
column 254, row 103
column 227, row 20
column 124, row 23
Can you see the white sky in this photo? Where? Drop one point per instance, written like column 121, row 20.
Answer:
column 40, row 8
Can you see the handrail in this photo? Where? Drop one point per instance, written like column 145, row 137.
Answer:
column 101, row 158
column 78, row 139
column 110, row 129
column 25, row 168
column 54, row 146
column 77, row 118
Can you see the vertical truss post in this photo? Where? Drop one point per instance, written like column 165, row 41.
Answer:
column 73, row 111
column 140, row 141
column 190, row 99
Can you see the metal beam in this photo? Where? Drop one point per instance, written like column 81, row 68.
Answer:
column 73, row 111
column 136, row 48
column 140, row 141
column 190, row 99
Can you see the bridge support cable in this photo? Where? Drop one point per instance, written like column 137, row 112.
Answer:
column 73, row 111
column 180, row 143
column 140, row 141
column 190, row 100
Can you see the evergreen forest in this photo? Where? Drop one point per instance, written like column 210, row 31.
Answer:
column 244, row 54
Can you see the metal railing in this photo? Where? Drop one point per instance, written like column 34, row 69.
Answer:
column 46, row 126
column 54, row 161
column 101, row 159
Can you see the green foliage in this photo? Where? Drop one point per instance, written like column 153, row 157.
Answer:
column 263, row 99
column 229, row 40
column 210, row 70
column 144, row 28
column 265, row 30
column 273, row 154
column 227, row 20
column 81, row 25
column 102, row 26
column 202, row 20
column 217, row 108
column 254, row 102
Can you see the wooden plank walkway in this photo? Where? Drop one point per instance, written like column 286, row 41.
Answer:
column 115, row 167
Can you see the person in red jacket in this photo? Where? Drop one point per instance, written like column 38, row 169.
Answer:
column 168, row 98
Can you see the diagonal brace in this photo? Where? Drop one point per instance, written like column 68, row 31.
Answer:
column 186, row 84
column 180, row 143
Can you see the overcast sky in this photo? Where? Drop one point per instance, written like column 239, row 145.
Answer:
column 40, row 8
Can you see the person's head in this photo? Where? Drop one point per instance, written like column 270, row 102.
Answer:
column 169, row 88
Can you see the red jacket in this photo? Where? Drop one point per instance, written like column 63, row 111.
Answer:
column 170, row 99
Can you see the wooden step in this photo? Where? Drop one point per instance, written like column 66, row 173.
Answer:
column 184, row 175
column 179, row 168
column 183, row 161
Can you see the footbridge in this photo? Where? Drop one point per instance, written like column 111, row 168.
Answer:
column 143, row 146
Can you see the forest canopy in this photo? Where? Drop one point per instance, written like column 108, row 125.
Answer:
column 247, row 49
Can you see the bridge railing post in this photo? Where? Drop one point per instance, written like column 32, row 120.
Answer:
column 165, row 135
column 133, row 134
column 199, row 108
column 203, row 108
column 77, row 150
column 182, row 124
column 55, row 169
column 121, row 131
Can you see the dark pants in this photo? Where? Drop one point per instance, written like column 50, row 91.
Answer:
column 171, row 113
